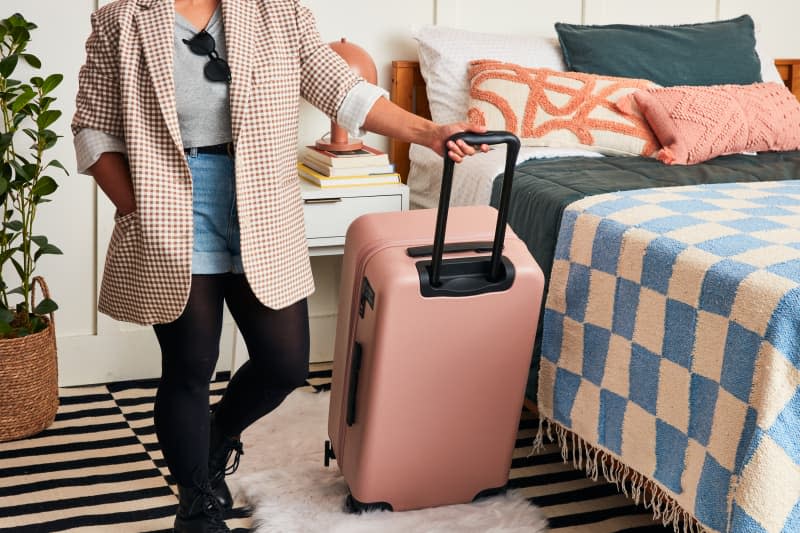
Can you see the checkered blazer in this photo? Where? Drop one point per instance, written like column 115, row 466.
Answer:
column 126, row 89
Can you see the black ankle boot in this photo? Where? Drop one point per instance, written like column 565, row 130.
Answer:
column 198, row 510
column 220, row 450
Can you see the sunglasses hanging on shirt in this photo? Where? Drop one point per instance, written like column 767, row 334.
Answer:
column 203, row 44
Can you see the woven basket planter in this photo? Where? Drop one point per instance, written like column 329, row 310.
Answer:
column 28, row 381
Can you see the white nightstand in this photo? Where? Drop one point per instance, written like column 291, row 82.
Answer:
column 328, row 212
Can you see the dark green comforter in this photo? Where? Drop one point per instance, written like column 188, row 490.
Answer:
column 543, row 188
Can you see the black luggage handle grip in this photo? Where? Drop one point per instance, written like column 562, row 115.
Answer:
column 352, row 391
column 489, row 137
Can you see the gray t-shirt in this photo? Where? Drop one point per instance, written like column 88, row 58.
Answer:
column 203, row 107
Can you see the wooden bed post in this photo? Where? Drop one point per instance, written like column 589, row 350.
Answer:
column 408, row 91
column 789, row 69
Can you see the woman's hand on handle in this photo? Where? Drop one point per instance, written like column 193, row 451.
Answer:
column 456, row 151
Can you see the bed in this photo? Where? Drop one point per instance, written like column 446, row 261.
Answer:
column 704, row 427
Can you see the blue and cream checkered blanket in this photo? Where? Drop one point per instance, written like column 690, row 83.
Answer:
column 671, row 350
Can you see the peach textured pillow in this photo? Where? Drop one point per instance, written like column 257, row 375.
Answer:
column 545, row 107
column 695, row 124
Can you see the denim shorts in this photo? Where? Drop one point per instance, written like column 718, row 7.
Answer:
column 216, row 248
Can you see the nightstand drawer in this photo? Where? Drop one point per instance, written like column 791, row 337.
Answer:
column 330, row 217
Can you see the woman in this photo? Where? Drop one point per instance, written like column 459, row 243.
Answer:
column 187, row 118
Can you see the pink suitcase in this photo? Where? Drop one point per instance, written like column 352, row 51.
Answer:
column 429, row 378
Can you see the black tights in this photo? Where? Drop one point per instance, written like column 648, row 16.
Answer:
column 278, row 346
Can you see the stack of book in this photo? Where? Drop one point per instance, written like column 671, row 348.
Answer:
column 365, row 166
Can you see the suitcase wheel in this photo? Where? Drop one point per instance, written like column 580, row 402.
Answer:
column 351, row 505
column 488, row 493
column 328, row 453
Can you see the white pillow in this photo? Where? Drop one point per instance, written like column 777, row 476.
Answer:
column 445, row 53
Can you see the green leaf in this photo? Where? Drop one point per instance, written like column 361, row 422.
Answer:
column 18, row 119
column 24, row 172
column 3, row 186
column 49, row 138
column 22, row 100
column 18, row 20
column 45, row 306
column 44, row 186
column 32, row 60
column 37, row 81
column 37, row 324
column 31, row 168
column 51, row 82
column 56, row 163
column 5, row 141
column 12, row 83
column 46, row 101
column 5, row 328
column 20, row 37
column 40, row 240
column 47, row 249
column 7, row 65
column 14, row 225
column 47, row 118
column 17, row 290
column 6, row 316
column 33, row 134
column 20, row 271
column 5, row 255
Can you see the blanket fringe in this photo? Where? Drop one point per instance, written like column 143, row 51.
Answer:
column 595, row 461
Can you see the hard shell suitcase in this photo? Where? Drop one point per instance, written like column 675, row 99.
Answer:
column 432, row 355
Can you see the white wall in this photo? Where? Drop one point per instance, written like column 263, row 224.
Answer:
column 71, row 221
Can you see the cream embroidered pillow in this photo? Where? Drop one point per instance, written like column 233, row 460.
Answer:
column 544, row 107
column 445, row 53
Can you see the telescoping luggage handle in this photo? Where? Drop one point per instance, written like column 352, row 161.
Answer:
column 490, row 137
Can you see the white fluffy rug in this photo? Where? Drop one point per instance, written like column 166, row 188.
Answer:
column 283, row 478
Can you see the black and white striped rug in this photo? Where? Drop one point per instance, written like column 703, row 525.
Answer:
column 99, row 468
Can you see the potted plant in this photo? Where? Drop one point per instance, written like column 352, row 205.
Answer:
column 28, row 368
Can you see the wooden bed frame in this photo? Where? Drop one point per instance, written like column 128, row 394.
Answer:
column 408, row 91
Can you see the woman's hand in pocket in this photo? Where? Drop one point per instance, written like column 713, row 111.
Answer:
column 113, row 176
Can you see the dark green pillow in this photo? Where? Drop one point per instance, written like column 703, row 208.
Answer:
column 711, row 53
